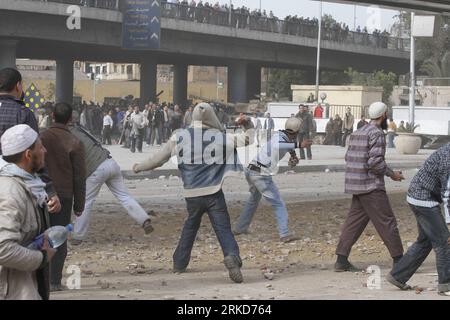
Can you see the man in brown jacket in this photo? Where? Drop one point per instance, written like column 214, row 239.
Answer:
column 66, row 164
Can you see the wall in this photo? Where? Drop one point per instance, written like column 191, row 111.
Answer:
column 85, row 88
column 429, row 96
column 340, row 95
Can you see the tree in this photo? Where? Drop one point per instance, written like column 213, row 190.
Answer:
column 432, row 54
column 435, row 51
column 280, row 81
column 376, row 79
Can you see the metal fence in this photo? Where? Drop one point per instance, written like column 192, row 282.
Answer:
column 102, row 4
column 308, row 29
column 340, row 110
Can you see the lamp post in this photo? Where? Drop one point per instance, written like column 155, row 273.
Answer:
column 412, row 89
column 319, row 38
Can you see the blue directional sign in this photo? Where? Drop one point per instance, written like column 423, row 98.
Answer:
column 141, row 26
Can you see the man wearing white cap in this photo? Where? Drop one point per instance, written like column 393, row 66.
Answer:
column 23, row 216
column 364, row 179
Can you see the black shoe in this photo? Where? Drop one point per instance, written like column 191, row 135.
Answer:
column 147, row 226
column 401, row 286
column 57, row 287
column 345, row 267
column 233, row 264
column 179, row 270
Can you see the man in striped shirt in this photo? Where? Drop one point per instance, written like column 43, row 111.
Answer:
column 364, row 179
column 429, row 188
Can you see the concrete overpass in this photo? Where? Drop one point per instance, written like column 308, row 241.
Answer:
column 425, row 6
column 35, row 29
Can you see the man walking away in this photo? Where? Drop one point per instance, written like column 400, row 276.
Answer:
column 429, row 188
column 66, row 165
column 102, row 169
column 364, row 179
column 23, row 216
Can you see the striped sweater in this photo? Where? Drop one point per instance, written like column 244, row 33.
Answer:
column 365, row 161
column 431, row 185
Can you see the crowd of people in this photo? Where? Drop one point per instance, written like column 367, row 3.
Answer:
column 46, row 176
column 132, row 126
column 257, row 19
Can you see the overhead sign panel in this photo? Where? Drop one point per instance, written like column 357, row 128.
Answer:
column 141, row 26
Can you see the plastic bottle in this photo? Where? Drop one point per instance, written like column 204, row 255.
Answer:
column 57, row 235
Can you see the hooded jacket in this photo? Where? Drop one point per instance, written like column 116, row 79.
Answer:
column 23, row 272
column 205, row 154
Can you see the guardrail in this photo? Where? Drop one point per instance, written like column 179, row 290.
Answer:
column 234, row 19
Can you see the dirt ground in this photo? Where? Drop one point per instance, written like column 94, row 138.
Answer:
column 118, row 261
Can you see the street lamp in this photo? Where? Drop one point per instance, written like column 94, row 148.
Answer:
column 319, row 38
column 412, row 85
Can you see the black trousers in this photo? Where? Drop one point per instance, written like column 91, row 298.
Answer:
column 301, row 137
column 107, row 135
column 60, row 219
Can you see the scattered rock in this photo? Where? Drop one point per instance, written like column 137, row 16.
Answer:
column 164, row 283
column 168, row 298
column 269, row 275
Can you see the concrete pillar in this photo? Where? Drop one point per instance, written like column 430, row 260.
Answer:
column 64, row 80
column 148, row 82
column 244, row 81
column 237, row 82
column 8, row 53
column 180, row 83
column 253, row 81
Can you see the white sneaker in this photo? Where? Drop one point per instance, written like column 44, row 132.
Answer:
column 445, row 293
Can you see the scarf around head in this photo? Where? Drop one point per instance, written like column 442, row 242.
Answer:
column 33, row 182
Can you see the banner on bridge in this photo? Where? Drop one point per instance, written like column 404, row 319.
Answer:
column 141, row 26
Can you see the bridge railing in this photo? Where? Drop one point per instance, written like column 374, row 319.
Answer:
column 102, row 4
column 307, row 28
column 266, row 24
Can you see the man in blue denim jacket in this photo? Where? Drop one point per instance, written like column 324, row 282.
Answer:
column 205, row 155
column 259, row 177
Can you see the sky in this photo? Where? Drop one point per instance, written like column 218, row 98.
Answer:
column 372, row 17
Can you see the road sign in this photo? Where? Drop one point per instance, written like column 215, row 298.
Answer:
column 141, row 26
column 423, row 26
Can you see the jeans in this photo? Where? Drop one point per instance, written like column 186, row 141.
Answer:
column 217, row 210
column 63, row 218
column 263, row 186
column 108, row 172
column 301, row 137
column 391, row 136
column 136, row 141
column 433, row 234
